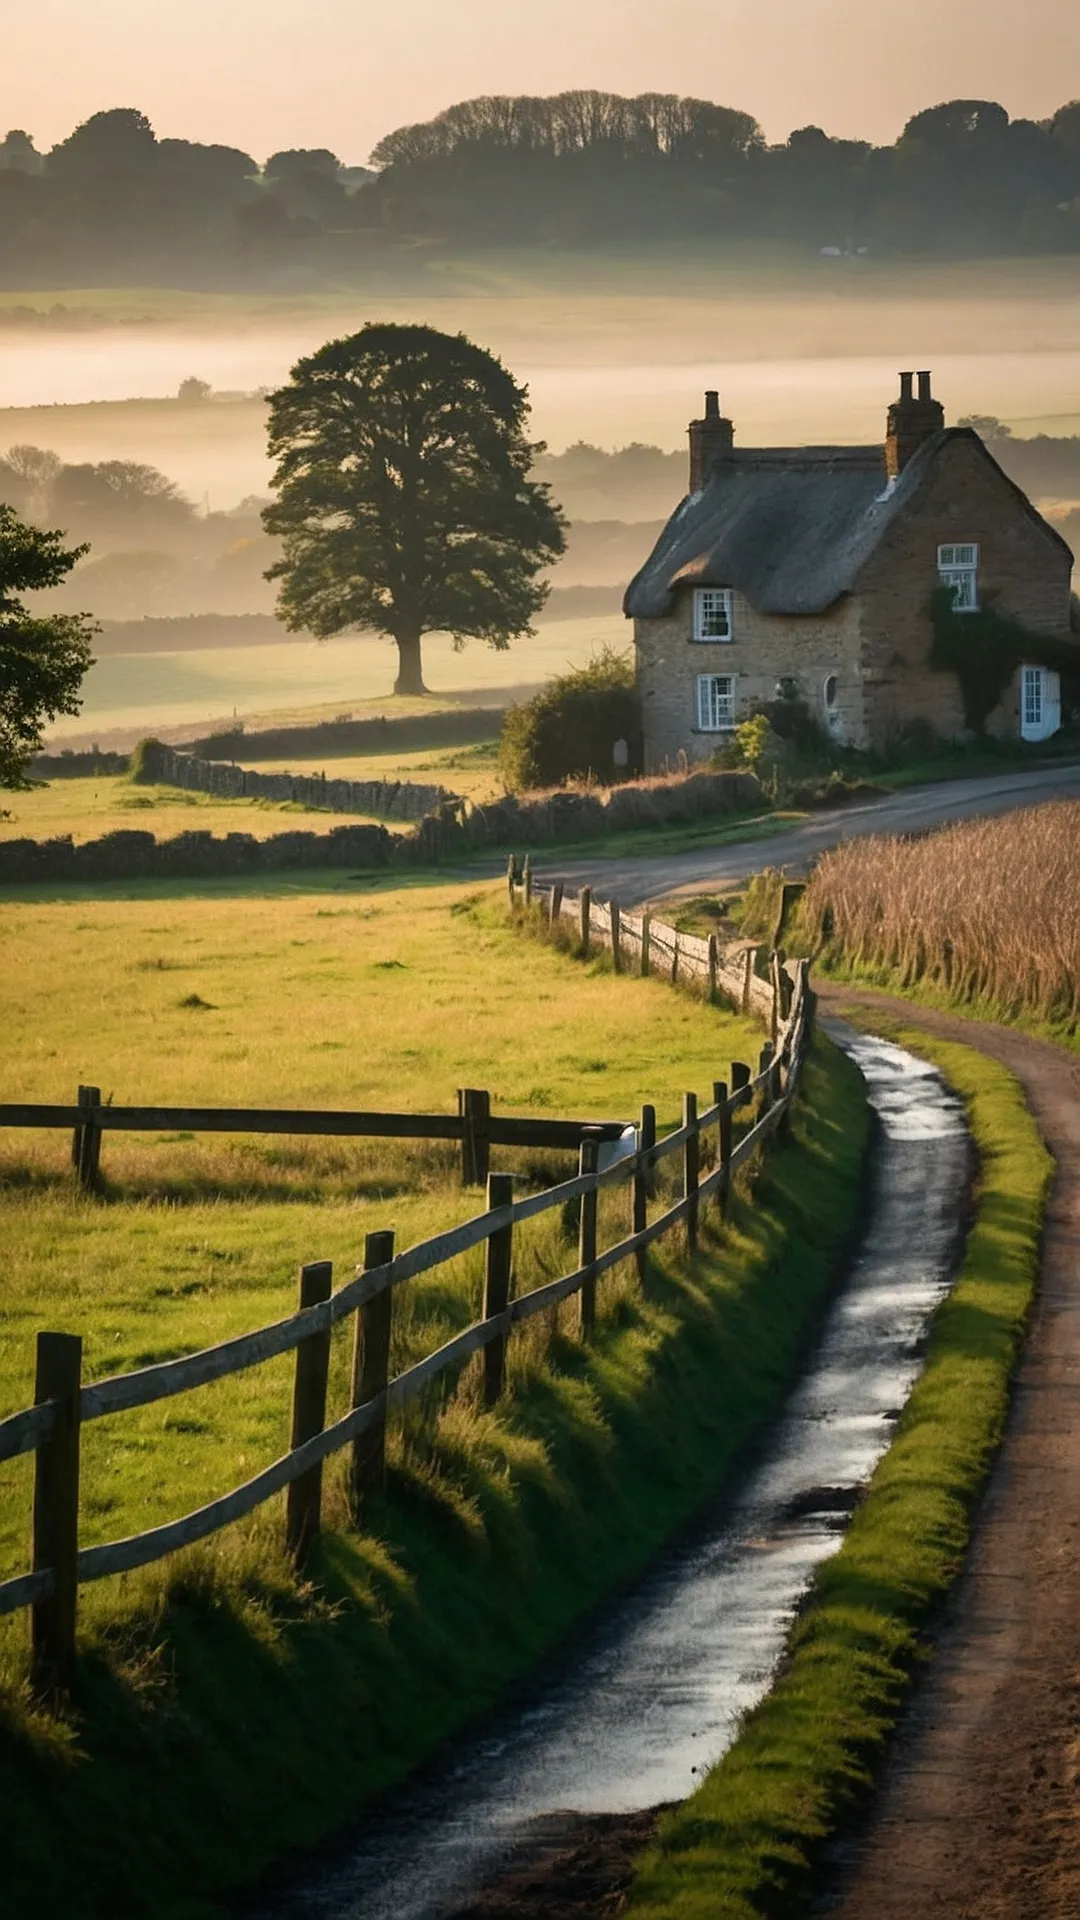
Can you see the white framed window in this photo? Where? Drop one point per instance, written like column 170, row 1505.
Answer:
column 958, row 569
column 715, row 702
column 713, row 613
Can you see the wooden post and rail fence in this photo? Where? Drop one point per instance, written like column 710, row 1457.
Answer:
column 63, row 1402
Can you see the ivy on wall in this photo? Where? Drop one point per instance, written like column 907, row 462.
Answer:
column 984, row 650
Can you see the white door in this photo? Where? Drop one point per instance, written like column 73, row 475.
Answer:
column 1040, row 703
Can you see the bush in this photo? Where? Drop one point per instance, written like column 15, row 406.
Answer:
column 569, row 729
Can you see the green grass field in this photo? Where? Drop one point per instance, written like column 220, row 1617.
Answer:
column 379, row 998
column 181, row 695
column 112, row 803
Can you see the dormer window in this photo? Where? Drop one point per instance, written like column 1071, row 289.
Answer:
column 713, row 613
column 958, row 569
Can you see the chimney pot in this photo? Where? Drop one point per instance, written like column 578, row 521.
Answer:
column 712, row 404
column 911, row 421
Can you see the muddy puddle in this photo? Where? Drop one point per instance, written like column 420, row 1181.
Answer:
column 651, row 1694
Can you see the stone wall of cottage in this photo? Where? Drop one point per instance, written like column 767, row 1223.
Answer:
column 1023, row 572
column 765, row 648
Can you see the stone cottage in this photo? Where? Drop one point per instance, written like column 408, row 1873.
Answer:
column 810, row 572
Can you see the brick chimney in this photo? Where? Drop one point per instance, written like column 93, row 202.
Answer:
column 911, row 420
column 711, row 439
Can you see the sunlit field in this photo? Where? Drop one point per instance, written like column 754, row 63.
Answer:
column 126, row 696
column 114, row 803
column 369, row 997
column 987, row 911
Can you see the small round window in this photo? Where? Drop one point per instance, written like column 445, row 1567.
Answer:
column 830, row 690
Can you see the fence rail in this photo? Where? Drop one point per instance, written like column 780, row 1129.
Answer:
column 473, row 1125
column 51, row 1428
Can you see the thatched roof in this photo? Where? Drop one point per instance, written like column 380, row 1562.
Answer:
column 789, row 528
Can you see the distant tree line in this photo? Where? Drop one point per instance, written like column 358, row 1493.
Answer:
column 113, row 200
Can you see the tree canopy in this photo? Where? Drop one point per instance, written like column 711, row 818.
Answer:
column 404, row 502
column 963, row 178
column 42, row 660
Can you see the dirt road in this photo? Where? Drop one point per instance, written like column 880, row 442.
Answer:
column 979, row 1816
column 639, row 877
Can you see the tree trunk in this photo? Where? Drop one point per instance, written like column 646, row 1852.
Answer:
column 410, row 667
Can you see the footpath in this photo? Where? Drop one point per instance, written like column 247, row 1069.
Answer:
column 978, row 1816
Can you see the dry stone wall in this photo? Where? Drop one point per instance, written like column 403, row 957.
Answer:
column 386, row 799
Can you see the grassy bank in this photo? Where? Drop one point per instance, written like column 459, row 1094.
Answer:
column 746, row 1843
column 224, row 1714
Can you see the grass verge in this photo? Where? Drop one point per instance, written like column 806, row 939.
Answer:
column 745, row 1845
column 229, row 1715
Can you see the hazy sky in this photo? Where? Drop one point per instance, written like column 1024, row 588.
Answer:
column 268, row 73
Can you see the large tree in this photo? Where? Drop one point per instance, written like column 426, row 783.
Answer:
column 42, row 660
column 404, row 499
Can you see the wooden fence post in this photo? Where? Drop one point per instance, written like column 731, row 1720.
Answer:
column 748, row 974
column 740, row 1080
column 639, row 1202
column 370, row 1371
column 86, row 1140
column 675, row 958
column 616, row 935
column 646, row 929
column 590, row 1145
column 303, row 1499
column 58, row 1377
column 714, row 960
column 691, row 1167
column 765, row 1090
column 527, row 879
column 511, row 876
column 497, row 1270
column 474, row 1111
column 585, row 907
column 723, row 1143
column 555, row 903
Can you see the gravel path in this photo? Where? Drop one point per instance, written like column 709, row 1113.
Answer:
column 635, row 878
column 979, row 1814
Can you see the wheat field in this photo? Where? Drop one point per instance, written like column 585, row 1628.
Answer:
column 987, row 911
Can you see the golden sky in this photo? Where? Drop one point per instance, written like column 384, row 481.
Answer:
column 263, row 74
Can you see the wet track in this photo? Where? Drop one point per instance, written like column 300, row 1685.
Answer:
column 650, row 1696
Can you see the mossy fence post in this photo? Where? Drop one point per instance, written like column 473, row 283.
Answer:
column 590, row 1148
column 474, row 1112
column 86, row 1140
column 723, row 1144
column 691, row 1167
column 639, row 1217
column 58, row 1378
column 646, row 930
column 303, row 1500
column 498, row 1266
column 370, row 1372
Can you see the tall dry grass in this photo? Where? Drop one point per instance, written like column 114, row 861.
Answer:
column 988, row 910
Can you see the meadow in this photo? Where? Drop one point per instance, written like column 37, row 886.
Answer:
column 373, row 997
column 985, row 913
column 114, row 803
column 183, row 695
